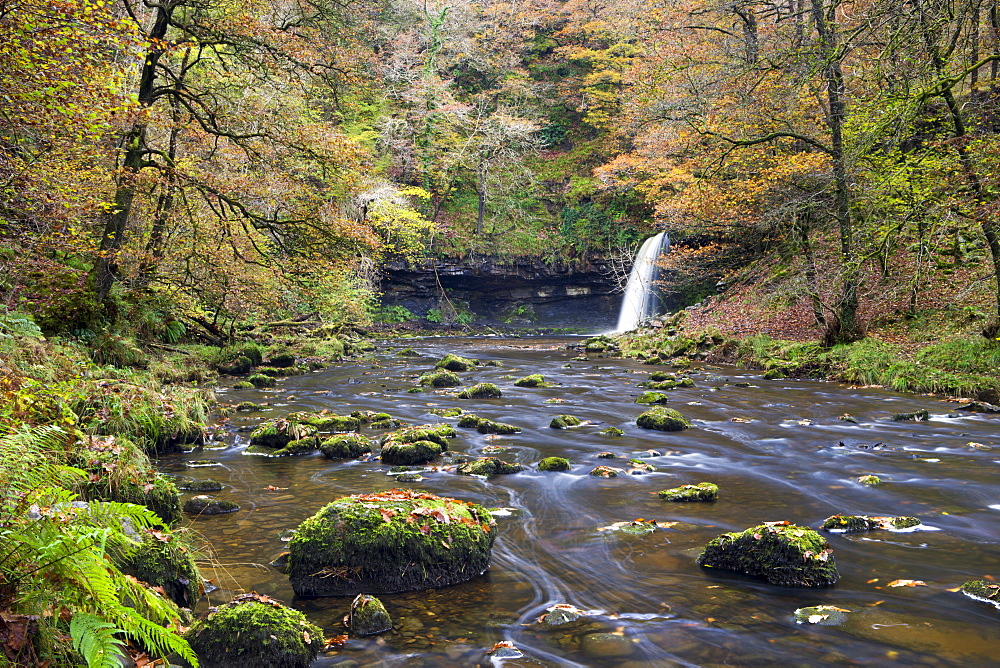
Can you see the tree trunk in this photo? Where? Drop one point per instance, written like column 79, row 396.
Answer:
column 802, row 220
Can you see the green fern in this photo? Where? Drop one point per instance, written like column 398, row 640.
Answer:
column 14, row 325
column 96, row 640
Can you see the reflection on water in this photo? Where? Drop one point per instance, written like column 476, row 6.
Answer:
column 788, row 458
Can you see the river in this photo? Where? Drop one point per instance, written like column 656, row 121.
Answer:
column 791, row 459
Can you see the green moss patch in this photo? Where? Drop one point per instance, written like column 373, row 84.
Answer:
column 703, row 491
column 564, row 421
column 389, row 542
column 987, row 592
column 453, row 362
column 439, row 379
column 346, row 446
column 554, row 464
column 260, row 380
column 407, row 454
column 327, row 422
column 779, row 552
column 481, row 391
column 487, row 466
column 485, row 426
column 532, row 380
column 663, row 419
column 652, row 398
column 858, row 523
column 162, row 560
column 280, row 432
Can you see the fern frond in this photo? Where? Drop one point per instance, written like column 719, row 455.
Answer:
column 95, row 639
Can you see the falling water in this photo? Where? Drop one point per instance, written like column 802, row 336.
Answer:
column 640, row 301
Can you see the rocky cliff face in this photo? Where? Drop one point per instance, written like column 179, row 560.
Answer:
column 525, row 292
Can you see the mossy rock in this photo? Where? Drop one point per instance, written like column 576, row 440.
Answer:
column 490, row 427
column 272, row 371
column 648, row 398
column 249, row 407
column 368, row 616
column 453, row 362
column 663, row 419
column 554, row 464
column 916, row 416
column 469, row 420
column 612, row 431
column 282, row 360
column 481, row 391
column 564, row 421
column 446, row 412
column 487, row 466
column 206, row 485
column 237, row 367
column 407, row 454
column 163, row 561
column 870, row 480
column 280, row 432
column 245, row 384
column 327, row 422
column 260, row 381
column 255, row 631
column 390, row 542
column 493, row 363
column 533, row 380
column 206, row 505
column 781, row 553
column 703, row 491
column 640, row 467
column 667, row 384
column 660, row 376
column 251, row 351
column 607, row 472
column 980, row 590
column 600, row 344
column 774, row 374
column 438, row 433
column 439, row 379
column 408, row 352
column 858, row 523
column 301, row 446
column 347, row 446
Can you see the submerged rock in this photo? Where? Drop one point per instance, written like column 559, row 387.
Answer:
column 779, row 552
column 554, row 464
column 345, row 446
column 487, row 466
column 607, row 472
column 612, row 431
column 858, row 523
column 824, row 615
column 453, row 362
column 206, row 505
column 533, row 380
column 564, row 421
column 368, row 616
column 390, row 542
column 703, row 491
column 255, row 631
column 663, row 419
column 439, row 379
column 481, row 391
column 606, row 645
column 920, row 416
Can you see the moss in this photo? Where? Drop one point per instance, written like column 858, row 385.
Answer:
column 564, row 421
column 487, row 466
column 554, row 464
column 612, row 431
column 988, row 592
column 386, row 424
column 347, row 446
column 389, row 542
column 607, row 472
column 163, row 561
column 648, row 398
column 249, row 407
column 916, row 416
column 259, row 381
column 237, row 367
column 368, row 616
column 607, row 455
column 533, row 380
column 640, row 467
column 206, row 485
column 781, row 553
column 243, row 385
column 481, row 391
column 439, row 379
column 493, row 363
column 271, row 371
column 255, row 631
column 206, row 505
column 774, row 374
column 327, row 422
column 600, row 344
column 453, row 362
column 438, row 433
column 872, row 480
column 660, row 376
column 282, row 360
column 280, row 432
column 858, row 523
column 417, row 452
column 703, row 491
column 446, row 412
column 301, row 446
column 490, row 427
column 659, row 385
column 663, row 419
column 469, row 420
column 408, row 352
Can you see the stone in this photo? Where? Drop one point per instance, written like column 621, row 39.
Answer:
column 663, row 419
column 282, row 360
column 416, row 445
column 345, row 446
column 206, row 505
column 980, row 590
column 453, row 362
column 328, row 422
column 600, row 344
column 606, row 645
column 487, row 466
column 368, row 616
column 533, row 380
column 554, row 464
column 481, row 391
column 469, row 420
column 612, row 431
column 652, row 398
column 824, row 615
column 564, row 421
column 703, row 491
column 779, row 552
column 280, row 432
column 207, row 485
column 490, row 427
column 390, row 542
column 607, row 472
column 916, row 416
column 248, row 406
column 858, row 523
column 255, row 631
column 259, row 381
column 871, row 480
column 439, row 379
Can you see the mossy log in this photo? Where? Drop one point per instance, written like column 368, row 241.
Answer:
column 779, row 552
column 390, row 542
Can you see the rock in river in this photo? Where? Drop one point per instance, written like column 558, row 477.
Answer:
column 663, row 419
column 368, row 616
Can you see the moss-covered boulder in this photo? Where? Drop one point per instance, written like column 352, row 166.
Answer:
column 487, row 466
column 238, row 366
column 481, row 391
column 779, row 552
column 248, row 407
column 244, row 385
column 703, row 491
column 600, row 344
column 564, row 421
column 282, row 360
column 327, row 422
column 407, row 352
column 439, row 379
column 532, row 380
column 612, row 431
column 162, row 560
column 870, row 480
column 453, row 362
column 390, row 542
column 260, row 381
column 485, row 426
column 206, row 505
column 663, row 419
column 273, row 371
column 345, row 446
column 554, row 464
column 858, row 523
column 915, row 416
column 987, row 592
column 407, row 454
column 469, row 420
column 280, row 432
column 659, row 376
column 206, row 485
column 446, row 412
column 368, row 616
column 648, row 398
column 607, row 472
column 670, row 384
column 255, row 631
column 438, row 433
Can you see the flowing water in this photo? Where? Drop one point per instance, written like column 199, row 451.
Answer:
column 640, row 299
column 651, row 605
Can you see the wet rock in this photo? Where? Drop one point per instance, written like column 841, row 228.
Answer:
column 409, row 477
column 647, row 398
column 920, row 416
column 468, row 420
column 779, row 552
column 345, row 446
column 490, row 427
column 858, row 523
column 207, row 485
column 607, row 472
column 606, row 455
column 243, row 385
column 487, row 466
column 206, row 505
column 824, row 615
column 254, row 631
column 564, row 421
column 481, row 391
column 390, row 542
column 417, row 452
column 280, row 562
column 606, row 645
column 453, row 362
column 328, row 422
column 663, row 419
column 871, row 480
column 408, row 352
column 439, row 379
column 660, row 376
column 600, row 344
column 774, row 374
column 259, row 380
column 505, row 649
column 979, row 407
column 493, row 363
column 847, row 417
column 533, row 380
column 446, row 412
column 560, row 614
column 282, row 360
column 640, row 467
column 612, row 431
column 163, row 563
column 278, row 433
column 249, row 407
column 980, row 590
column 955, row 642
column 703, row 491
column 554, row 464
column 368, row 616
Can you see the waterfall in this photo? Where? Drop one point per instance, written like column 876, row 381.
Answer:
column 640, row 300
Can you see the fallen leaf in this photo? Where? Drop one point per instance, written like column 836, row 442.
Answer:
column 907, row 583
